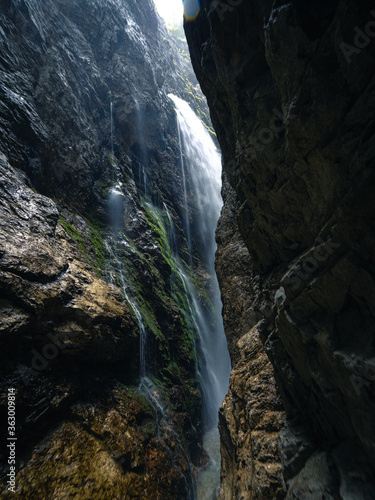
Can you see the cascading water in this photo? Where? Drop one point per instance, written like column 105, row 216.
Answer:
column 143, row 156
column 115, row 243
column 116, row 209
column 201, row 172
column 111, row 114
column 186, row 204
column 171, row 233
column 203, row 164
column 146, row 387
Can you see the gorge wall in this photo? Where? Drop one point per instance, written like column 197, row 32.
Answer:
column 290, row 87
column 90, row 185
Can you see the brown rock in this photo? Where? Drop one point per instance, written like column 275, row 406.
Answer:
column 291, row 111
column 252, row 412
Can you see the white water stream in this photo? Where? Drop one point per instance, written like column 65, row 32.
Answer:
column 116, row 208
column 201, row 164
column 143, row 160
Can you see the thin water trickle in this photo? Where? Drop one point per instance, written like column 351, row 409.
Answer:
column 116, row 207
column 112, row 141
column 112, row 158
column 117, row 264
column 171, row 233
column 143, row 154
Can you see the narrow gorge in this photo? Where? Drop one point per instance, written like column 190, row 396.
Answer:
column 187, row 284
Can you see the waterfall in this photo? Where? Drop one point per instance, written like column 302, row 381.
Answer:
column 111, row 114
column 186, row 204
column 143, row 155
column 116, row 202
column 203, row 167
column 171, row 233
column 200, row 165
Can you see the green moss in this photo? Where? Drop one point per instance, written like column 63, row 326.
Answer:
column 74, row 235
column 112, row 160
column 151, row 323
column 150, row 428
column 156, row 295
column 138, row 294
column 172, row 371
column 97, row 244
column 94, row 241
column 155, row 219
column 134, row 393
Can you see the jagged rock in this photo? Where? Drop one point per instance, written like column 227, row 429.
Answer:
column 108, row 447
column 56, row 316
column 252, row 413
column 290, row 104
column 84, row 113
column 48, row 294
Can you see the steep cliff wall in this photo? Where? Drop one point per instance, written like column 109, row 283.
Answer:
column 89, row 155
column 290, row 86
column 252, row 413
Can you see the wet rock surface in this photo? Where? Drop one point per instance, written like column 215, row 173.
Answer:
column 106, row 447
column 290, row 100
column 89, row 154
column 46, row 292
column 66, row 337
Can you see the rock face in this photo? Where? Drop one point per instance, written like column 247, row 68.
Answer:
column 252, row 413
column 41, row 280
column 290, row 86
column 89, row 156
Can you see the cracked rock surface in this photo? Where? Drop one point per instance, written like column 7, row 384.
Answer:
column 76, row 78
column 294, row 118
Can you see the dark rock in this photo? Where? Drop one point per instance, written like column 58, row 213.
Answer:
column 252, row 412
column 292, row 111
column 84, row 112
column 317, row 479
